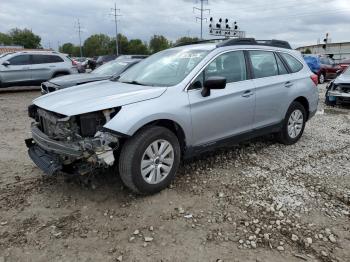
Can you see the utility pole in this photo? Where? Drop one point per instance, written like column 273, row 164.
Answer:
column 201, row 17
column 115, row 10
column 79, row 32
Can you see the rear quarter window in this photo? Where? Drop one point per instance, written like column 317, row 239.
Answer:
column 294, row 64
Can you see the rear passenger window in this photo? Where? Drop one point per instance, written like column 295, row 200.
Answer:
column 281, row 68
column 264, row 63
column 293, row 63
column 46, row 59
column 230, row 65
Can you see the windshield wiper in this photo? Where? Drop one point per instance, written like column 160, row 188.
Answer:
column 133, row 83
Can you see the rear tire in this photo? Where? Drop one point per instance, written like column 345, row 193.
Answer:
column 149, row 160
column 293, row 124
column 322, row 78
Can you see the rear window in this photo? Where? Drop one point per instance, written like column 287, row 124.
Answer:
column 46, row 59
column 264, row 63
column 293, row 63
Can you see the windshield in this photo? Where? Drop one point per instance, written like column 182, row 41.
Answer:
column 166, row 68
column 111, row 68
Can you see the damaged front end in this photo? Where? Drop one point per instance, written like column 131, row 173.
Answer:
column 338, row 93
column 72, row 144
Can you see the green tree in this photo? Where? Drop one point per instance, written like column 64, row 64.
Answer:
column 67, row 48
column 186, row 39
column 122, row 44
column 307, row 51
column 5, row 39
column 158, row 43
column 136, row 46
column 25, row 38
column 99, row 44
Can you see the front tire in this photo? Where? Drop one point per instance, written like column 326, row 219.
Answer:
column 149, row 160
column 293, row 125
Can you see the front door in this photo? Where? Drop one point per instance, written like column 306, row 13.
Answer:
column 17, row 71
column 225, row 112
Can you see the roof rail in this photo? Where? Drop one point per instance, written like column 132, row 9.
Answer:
column 200, row 42
column 252, row 41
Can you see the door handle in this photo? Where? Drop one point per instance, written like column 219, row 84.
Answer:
column 247, row 93
column 25, row 68
column 288, row 84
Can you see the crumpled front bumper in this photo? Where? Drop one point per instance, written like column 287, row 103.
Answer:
column 51, row 156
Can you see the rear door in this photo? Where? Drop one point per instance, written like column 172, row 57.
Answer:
column 43, row 66
column 227, row 112
column 17, row 70
column 271, row 81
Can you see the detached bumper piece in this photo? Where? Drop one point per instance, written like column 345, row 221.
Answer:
column 47, row 162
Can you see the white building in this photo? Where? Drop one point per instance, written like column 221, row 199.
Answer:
column 339, row 51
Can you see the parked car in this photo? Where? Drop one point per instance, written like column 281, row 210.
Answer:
column 338, row 90
column 327, row 68
column 33, row 67
column 173, row 105
column 344, row 64
column 111, row 69
column 104, row 59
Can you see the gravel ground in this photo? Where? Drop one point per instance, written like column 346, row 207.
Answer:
column 259, row 201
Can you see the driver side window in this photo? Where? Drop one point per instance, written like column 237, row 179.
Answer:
column 230, row 65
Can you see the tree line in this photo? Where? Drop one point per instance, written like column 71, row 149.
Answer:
column 95, row 45
column 25, row 38
column 101, row 44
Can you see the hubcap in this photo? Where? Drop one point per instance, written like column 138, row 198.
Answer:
column 321, row 79
column 157, row 161
column 295, row 123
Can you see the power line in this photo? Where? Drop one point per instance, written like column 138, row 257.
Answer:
column 201, row 17
column 115, row 10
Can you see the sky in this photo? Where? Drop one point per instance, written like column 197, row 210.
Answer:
column 301, row 22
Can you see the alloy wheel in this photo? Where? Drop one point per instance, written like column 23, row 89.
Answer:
column 157, row 161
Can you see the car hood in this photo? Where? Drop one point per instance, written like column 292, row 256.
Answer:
column 77, row 79
column 96, row 96
column 342, row 79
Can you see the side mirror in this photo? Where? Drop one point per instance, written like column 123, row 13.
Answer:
column 214, row 82
column 6, row 63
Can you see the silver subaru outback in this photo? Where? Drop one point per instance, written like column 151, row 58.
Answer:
column 173, row 105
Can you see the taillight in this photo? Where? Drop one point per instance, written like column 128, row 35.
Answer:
column 314, row 79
